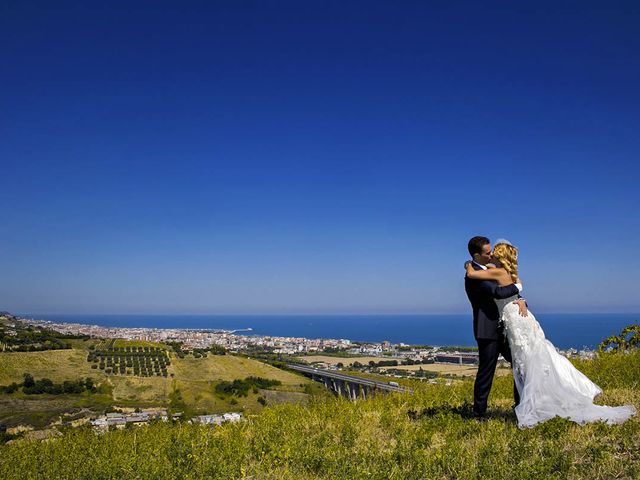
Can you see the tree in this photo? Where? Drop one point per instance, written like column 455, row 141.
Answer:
column 628, row 339
column 28, row 381
column 89, row 385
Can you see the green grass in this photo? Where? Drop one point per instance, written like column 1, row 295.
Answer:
column 394, row 436
column 196, row 377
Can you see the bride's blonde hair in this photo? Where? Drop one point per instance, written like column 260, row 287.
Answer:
column 507, row 255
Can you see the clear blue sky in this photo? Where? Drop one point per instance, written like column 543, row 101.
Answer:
column 315, row 157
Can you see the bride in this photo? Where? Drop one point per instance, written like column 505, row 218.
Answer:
column 548, row 384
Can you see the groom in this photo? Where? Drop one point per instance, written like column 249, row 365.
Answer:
column 486, row 324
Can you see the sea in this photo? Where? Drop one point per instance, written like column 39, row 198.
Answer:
column 577, row 330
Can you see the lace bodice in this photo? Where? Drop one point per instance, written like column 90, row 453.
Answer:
column 519, row 330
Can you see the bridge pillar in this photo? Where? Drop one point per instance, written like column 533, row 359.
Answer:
column 337, row 386
column 353, row 391
column 327, row 383
column 343, row 388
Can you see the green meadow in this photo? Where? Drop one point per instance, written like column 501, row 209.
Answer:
column 426, row 435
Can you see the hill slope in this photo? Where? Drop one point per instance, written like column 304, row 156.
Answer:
column 193, row 378
column 388, row 437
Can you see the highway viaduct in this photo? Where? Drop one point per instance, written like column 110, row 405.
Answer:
column 347, row 386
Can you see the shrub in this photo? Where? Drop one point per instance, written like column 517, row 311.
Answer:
column 629, row 339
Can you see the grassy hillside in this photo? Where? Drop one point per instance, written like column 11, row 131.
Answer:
column 191, row 386
column 58, row 365
column 395, row 436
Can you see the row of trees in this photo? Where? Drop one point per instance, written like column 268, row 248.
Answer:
column 40, row 347
column 31, row 386
column 139, row 361
column 420, row 373
column 29, row 339
column 128, row 349
column 422, row 361
column 93, row 355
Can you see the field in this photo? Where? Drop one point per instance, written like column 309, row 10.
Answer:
column 189, row 385
column 58, row 365
column 441, row 368
column 427, row 435
column 448, row 369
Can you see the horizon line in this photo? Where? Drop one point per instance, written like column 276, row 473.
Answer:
column 319, row 314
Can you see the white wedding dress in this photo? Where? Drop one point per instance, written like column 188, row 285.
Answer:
column 548, row 384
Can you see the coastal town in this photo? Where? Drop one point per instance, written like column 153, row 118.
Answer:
column 238, row 343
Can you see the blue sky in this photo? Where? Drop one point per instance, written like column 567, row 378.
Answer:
column 315, row 157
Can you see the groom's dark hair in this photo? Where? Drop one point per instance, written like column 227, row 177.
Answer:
column 476, row 244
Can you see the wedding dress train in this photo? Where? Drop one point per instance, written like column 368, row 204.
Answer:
column 549, row 385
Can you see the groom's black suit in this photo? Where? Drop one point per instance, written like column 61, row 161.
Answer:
column 489, row 335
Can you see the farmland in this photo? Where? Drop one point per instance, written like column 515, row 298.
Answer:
column 188, row 385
